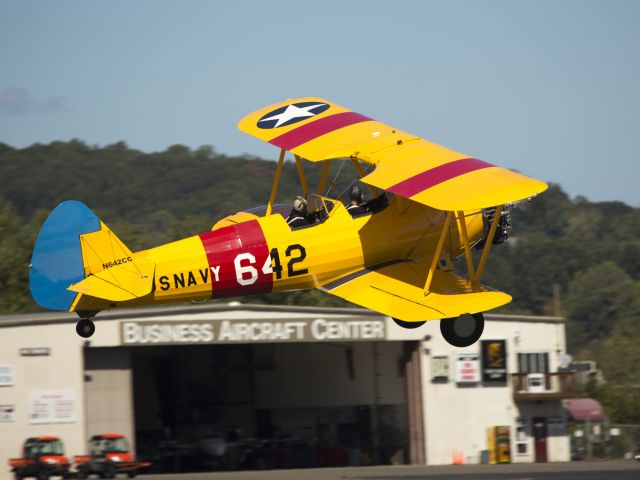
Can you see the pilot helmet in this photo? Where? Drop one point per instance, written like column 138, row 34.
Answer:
column 300, row 204
column 355, row 193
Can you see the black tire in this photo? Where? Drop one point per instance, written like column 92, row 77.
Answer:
column 18, row 475
column 43, row 475
column 82, row 473
column 409, row 325
column 132, row 473
column 108, row 471
column 85, row 328
column 464, row 330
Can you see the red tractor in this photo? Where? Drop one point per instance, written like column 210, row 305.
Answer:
column 41, row 458
column 109, row 455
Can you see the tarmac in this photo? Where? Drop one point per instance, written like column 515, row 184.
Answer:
column 583, row 470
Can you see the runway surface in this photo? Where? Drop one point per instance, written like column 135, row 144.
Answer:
column 601, row 470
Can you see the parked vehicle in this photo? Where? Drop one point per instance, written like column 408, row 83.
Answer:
column 41, row 458
column 109, row 455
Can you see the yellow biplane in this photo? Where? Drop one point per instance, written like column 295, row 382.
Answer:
column 393, row 254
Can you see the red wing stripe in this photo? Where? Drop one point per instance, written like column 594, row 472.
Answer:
column 298, row 136
column 437, row 175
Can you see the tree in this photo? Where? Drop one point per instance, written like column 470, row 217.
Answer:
column 598, row 298
column 15, row 252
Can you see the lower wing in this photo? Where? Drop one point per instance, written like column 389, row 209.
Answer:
column 396, row 289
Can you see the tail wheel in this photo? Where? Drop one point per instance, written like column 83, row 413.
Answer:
column 404, row 324
column 85, row 328
column 464, row 330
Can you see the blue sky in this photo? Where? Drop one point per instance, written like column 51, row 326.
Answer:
column 551, row 88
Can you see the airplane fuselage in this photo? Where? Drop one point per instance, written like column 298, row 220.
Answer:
column 245, row 254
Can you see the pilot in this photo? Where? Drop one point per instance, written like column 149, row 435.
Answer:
column 299, row 216
column 356, row 206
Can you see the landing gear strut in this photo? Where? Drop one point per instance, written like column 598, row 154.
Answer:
column 85, row 327
column 464, row 330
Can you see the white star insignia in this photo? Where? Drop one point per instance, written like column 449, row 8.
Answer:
column 292, row 112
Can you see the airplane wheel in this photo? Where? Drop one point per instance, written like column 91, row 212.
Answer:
column 464, row 330
column 404, row 324
column 85, row 328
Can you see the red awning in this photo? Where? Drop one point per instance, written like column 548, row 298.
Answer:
column 583, row 409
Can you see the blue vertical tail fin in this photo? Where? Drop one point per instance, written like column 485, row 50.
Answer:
column 57, row 262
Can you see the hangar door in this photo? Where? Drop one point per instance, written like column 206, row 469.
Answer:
column 270, row 405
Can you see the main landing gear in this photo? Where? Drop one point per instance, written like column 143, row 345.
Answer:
column 85, row 327
column 464, row 330
column 459, row 331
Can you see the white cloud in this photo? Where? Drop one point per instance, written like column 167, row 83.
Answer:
column 17, row 100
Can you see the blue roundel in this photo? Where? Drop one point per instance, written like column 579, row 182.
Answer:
column 293, row 113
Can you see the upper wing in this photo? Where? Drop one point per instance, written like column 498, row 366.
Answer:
column 406, row 165
column 396, row 289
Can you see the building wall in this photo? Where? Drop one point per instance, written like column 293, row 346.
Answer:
column 308, row 374
column 457, row 415
column 109, row 398
column 558, row 446
column 60, row 371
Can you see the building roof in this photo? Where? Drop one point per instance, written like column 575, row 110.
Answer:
column 187, row 308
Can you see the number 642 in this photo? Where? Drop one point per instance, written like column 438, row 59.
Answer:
column 247, row 274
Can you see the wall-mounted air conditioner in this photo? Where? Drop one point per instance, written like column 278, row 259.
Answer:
column 535, row 383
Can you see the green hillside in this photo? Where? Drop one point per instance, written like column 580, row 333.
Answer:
column 591, row 251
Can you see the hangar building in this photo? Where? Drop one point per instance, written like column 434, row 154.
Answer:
column 254, row 386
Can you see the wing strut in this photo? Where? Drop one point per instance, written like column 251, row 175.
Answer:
column 436, row 255
column 323, row 177
column 356, row 163
column 474, row 275
column 487, row 244
column 303, row 179
column 462, row 227
column 276, row 181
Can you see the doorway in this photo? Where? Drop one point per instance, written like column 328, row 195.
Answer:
column 540, row 439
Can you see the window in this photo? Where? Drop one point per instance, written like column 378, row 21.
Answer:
column 522, row 440
column 556, row 426
column 51, row 447
column 535, row 363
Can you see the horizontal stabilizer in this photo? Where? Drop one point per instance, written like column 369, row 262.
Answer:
column 130, row 280
column 397, row 290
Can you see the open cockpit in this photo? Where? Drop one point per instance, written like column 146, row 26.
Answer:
column 337, row 186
